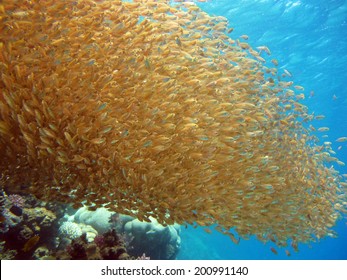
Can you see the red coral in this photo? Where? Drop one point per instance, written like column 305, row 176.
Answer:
column 99, row 240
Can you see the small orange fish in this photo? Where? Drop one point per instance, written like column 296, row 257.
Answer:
column 273, row 250
column 233, row 238
column 295, row 246
column 31, row 243
column 2, row 219
column 275, row 62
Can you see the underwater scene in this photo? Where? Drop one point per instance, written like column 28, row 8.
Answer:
column 173, row 130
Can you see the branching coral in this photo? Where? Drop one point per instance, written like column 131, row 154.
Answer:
column 153, row 110
column 70, row 230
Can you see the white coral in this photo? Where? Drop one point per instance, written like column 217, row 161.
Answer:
column 70, row 230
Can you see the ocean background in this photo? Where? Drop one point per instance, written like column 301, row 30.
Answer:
column 309, row 39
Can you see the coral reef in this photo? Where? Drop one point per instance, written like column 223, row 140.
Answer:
column 28, row 227
column 11, row 207
column 39, row 217
column 40, row 233
column 150, row 238
column 6, row 254
column 153, row 110
column 106, row 247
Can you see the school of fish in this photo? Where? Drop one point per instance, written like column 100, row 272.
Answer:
column 150, row 108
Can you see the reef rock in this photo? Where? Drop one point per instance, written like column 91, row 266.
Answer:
column 98, row 219
column 39, row 216
column 153, row 239
column 41, row 253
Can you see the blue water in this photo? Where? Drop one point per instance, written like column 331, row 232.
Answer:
column 308, row 38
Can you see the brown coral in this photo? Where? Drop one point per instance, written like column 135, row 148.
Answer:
column 111, row 248
column 152, row 109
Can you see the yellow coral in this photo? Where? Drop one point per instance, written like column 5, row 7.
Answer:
column 152, row 109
